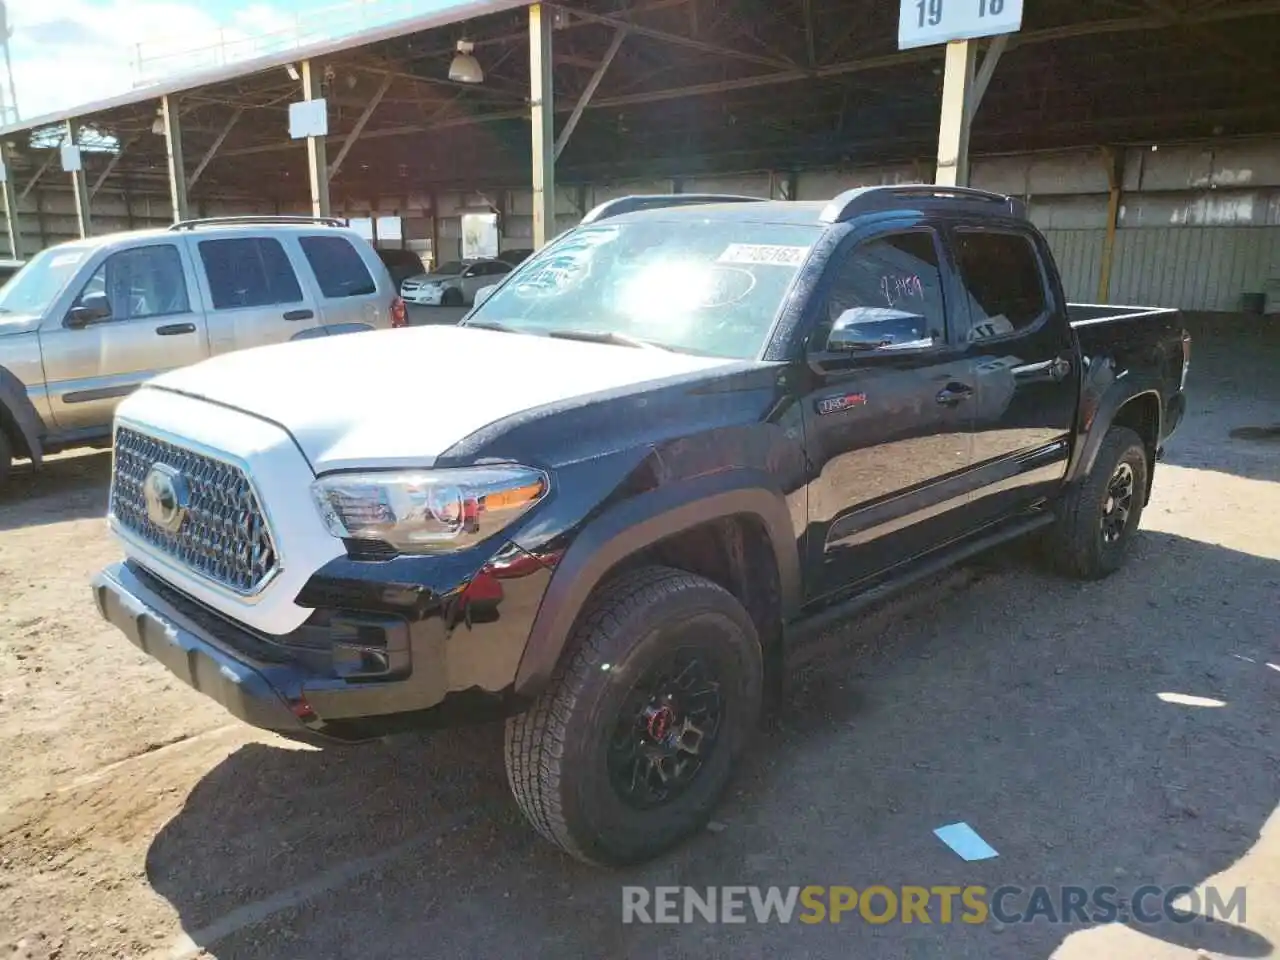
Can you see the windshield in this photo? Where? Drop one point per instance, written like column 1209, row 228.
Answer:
column 453, row 266
column 38, row 284
column 706, row 287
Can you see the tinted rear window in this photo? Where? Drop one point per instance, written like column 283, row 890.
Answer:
column 250, row 272
column 1001, row 274
column 338, row 267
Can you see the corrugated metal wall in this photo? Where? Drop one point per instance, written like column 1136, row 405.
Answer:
column 1196, row 268
column 1079, row 257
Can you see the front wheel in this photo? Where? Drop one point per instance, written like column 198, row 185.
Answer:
column 451, row 298
column 1098, row 517
column 635, row 739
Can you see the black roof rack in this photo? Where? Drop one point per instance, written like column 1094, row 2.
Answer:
column 654, row 201
column 252, row 218
column 862, row 200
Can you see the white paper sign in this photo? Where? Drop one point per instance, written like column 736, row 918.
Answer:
column 925, row 22
column 308, row 118
column 70, row 157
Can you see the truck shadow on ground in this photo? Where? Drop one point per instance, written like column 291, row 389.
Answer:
column 1023, row 704
column 73, row 486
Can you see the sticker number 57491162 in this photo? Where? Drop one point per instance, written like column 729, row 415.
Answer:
column 786, row 256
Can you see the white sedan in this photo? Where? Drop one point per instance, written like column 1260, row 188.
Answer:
column 454, row 284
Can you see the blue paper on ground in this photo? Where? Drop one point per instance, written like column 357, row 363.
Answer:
column 964, row 840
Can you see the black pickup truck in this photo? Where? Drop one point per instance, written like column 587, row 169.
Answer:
column 615, row 502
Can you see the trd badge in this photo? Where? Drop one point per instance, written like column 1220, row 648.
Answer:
column 843, row 402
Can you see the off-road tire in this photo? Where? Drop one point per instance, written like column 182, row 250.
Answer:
column 556, row 752
column 1076, row 546
column 6, row 458
column 452, row 298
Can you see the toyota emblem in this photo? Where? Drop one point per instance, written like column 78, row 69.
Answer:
column 165, row 491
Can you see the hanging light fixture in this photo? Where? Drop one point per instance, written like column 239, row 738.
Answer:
column 465, row 67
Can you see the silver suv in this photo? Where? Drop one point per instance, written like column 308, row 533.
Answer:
column 85, row 323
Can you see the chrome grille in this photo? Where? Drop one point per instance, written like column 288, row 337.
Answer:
column 223, row 536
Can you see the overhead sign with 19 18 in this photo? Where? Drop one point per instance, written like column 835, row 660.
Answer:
column 925, row 22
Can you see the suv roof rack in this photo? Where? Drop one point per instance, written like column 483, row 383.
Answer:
column 252, row 218
column 861, row 200
column 655, row 201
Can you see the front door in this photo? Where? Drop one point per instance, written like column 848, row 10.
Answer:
column 887, row 429
column 1022, row 351
column 142, row 325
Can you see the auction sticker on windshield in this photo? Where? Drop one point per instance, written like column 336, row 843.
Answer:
column 786, row 256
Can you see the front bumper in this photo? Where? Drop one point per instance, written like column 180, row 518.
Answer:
column 191, row 653
column 379, row 659
column 424, row 296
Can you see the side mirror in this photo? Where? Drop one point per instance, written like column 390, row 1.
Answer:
column 878, row 329
column 90, row 310
column 483, row 294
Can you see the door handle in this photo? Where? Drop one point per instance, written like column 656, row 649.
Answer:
column 954, row 393
column 175, row 329
column 299, row 315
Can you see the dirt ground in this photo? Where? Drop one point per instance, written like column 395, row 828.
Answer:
column 138, row 820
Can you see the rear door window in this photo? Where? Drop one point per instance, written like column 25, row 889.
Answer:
column 1001, row 274
column 338, row 267
column 248, row 272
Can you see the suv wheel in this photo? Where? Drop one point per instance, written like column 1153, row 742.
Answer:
column 635, row 739
column 1098, row 517
column 451, row 298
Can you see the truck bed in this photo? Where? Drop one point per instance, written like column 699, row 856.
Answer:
column 1138, row 337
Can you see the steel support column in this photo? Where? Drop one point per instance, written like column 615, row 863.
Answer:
column 957, row 115
column 1114, row 160
column 12, row 224
column 79, row 186
column 173, row 150
column 542, row 115
column 317, row 158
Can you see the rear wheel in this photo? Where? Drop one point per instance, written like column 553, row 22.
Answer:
column 451, row 298
column 630, row 747
column 1097, row 519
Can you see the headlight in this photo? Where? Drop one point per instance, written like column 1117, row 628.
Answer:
column 427, row 511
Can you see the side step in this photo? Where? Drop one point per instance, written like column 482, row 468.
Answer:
column 801, row 637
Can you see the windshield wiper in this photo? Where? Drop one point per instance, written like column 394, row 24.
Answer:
column 606, row 336
column 492, row 325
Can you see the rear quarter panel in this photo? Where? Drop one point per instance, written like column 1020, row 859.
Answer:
column 1126, row 353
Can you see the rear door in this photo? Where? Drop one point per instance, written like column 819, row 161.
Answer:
column 152, row 325
column 344, row 281
column 887, row 430
column 1023, row 358
column 253, row 292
